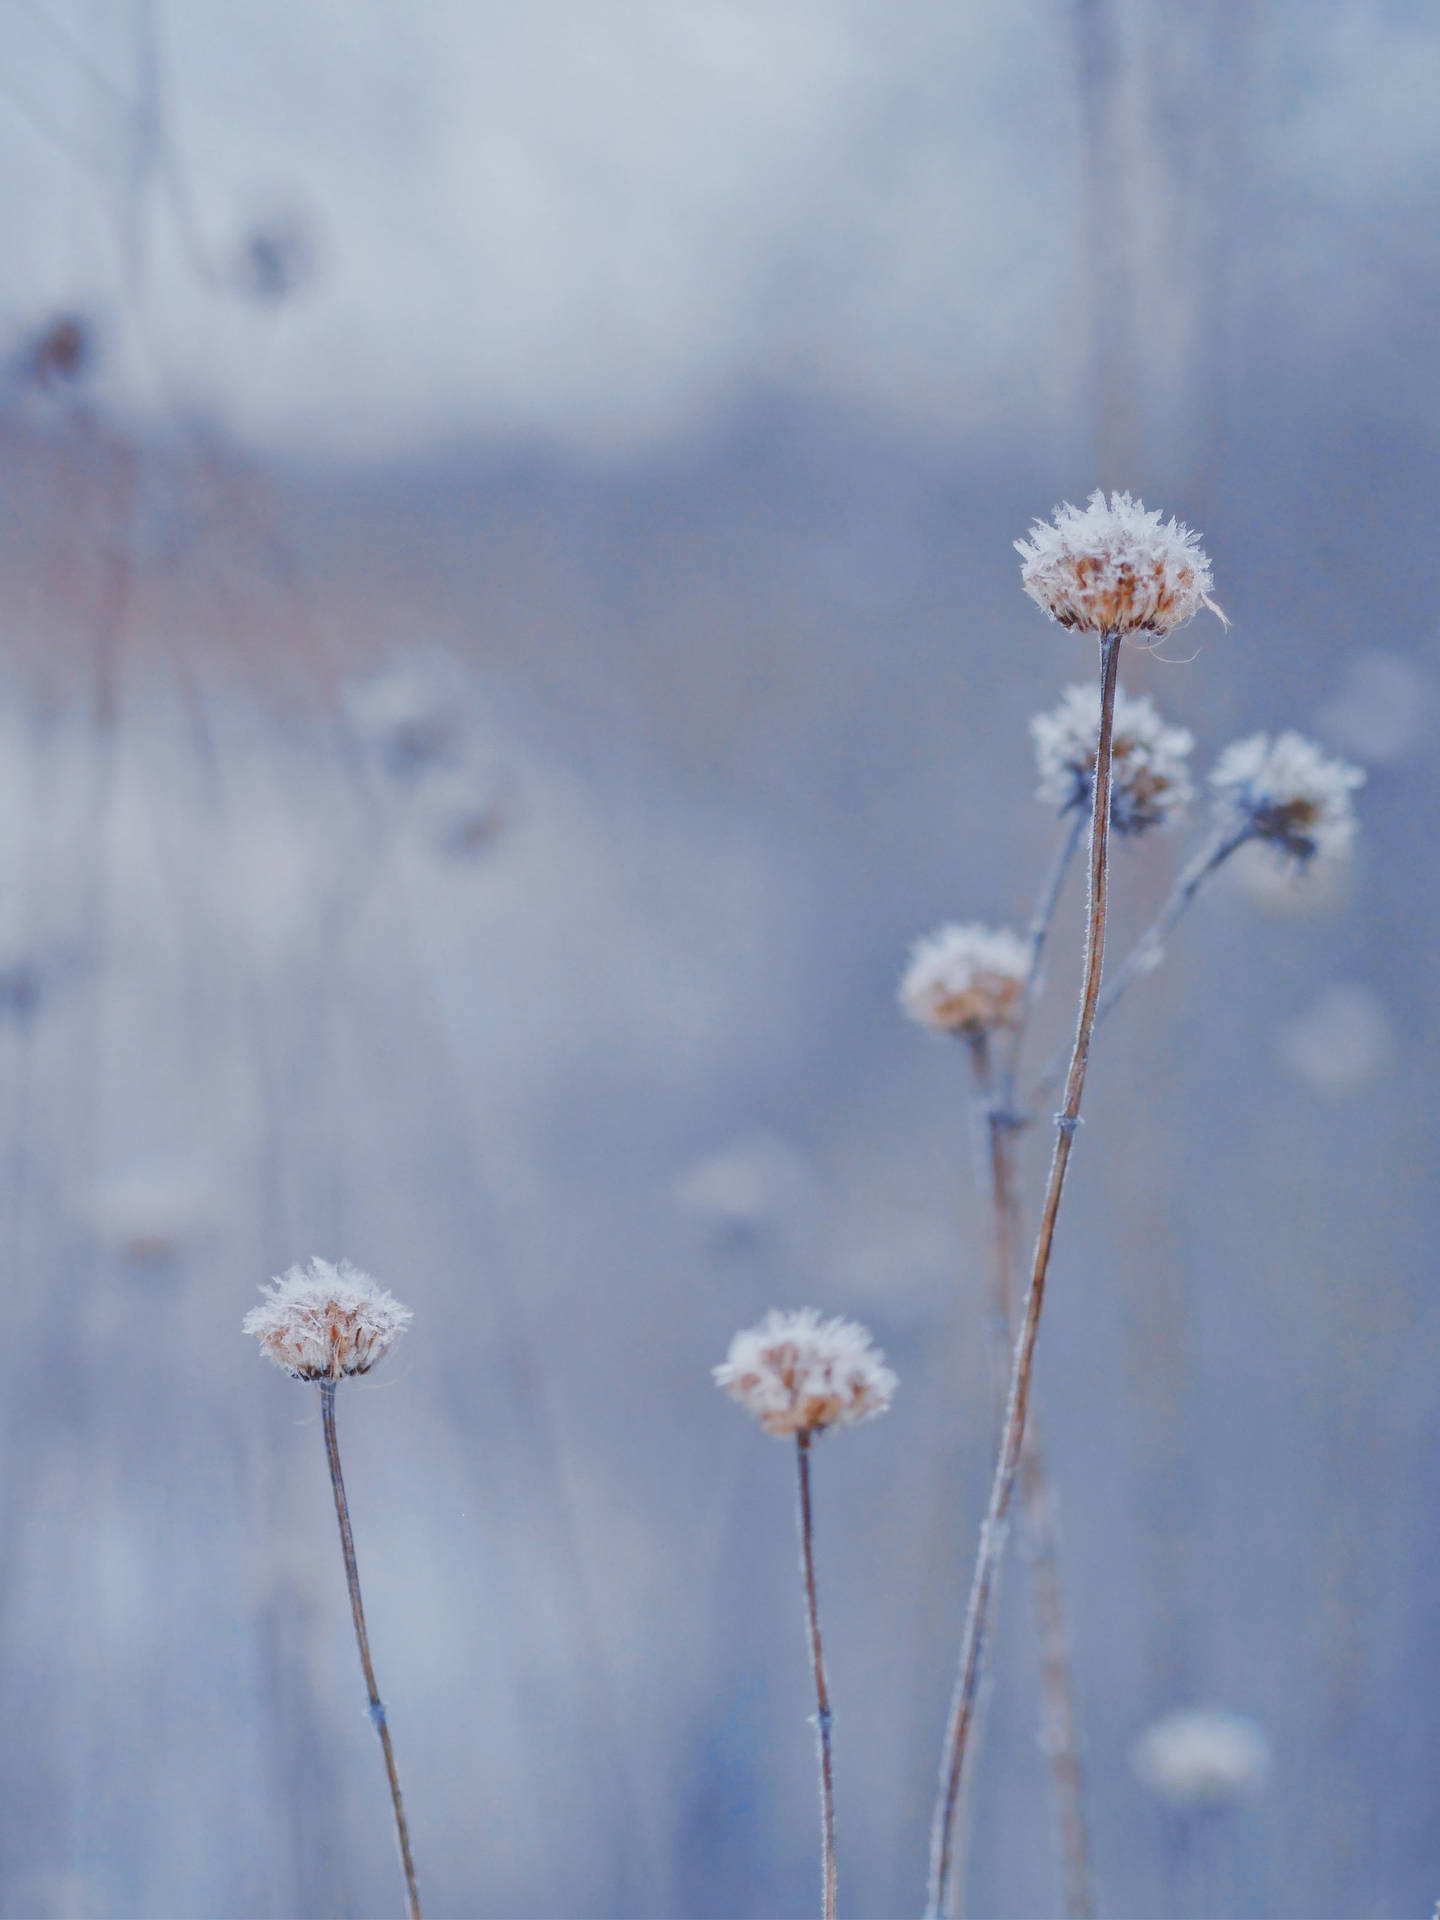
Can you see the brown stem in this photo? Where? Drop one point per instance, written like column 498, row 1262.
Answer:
column 992, row 1532
column 822, row 1696
column 1060, row 1738
column 357, row 1611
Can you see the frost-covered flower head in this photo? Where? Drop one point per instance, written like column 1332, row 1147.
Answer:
column 799, row 1374
column 968, row 979
column 1290, row 793
column 1202, row 1757
column 323, row 1322
column 1111, row 567
column 1150, row 777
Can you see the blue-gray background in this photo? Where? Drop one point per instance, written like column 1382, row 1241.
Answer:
column 510, row 629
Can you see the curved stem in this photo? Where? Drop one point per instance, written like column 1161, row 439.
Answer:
column 822, row 1696
column 362, row 1638
column 992, row 1533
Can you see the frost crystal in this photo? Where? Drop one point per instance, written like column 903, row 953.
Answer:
column 966, row 979
column 1289, row 793
column 1150, row 779
column 799, row 1374
column 1114, row 568
column 323, row 1322
column 1202, row 1757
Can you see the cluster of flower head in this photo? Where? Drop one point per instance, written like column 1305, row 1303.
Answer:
column 1150, row 777
column 968, row 979
column 1290, row 793
column 324, row 1322
column 799, row 1374
column 1111, row 567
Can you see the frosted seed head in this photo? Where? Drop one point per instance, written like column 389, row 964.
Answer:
column 1202, row 1757
column 1289, row 793
column 1111, row 567
column 798, row 1374
column 325, row 1322
column 966, row 979
column 1150, row 774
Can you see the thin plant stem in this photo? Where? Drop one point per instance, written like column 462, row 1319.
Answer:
column 992, row 1533
column 1060, row 1737
column 362, row 1638
column 1149, row 949
column 1037, row 933
column 822, row 1695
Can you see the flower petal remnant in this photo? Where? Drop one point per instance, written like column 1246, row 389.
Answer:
column 325, row 1322
column 1150, row 777
column 798, row 1374
column 1111, row 567
column 966, row 979
column 1289, row 793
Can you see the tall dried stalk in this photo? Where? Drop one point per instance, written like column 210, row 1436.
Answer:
column 994, row 1092
column 822, row 1695
column 362, row 1638
column 992, row 1533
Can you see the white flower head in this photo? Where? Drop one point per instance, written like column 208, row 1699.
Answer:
column 1202, row 1757
column 1289, row 793
column 325, row 1322
column 1150, row 775
column 1111, row 567
column 968, row 979
column 799, row 1374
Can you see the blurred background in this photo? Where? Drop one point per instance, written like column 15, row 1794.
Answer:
column 510, row 630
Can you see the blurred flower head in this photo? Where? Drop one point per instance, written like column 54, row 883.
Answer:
column 1290, row 793
column 799, row 1374
column 968, row 979
column 325, row 1322
column 1111, row 567
column 1202, row 1757
column 1150, row 776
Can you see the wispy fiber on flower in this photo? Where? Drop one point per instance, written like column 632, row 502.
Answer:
column 799, row 1374
column 1290, row 793
column 1111, row 567
column 966, row 979
column 1150, row 775
column 325, row 1322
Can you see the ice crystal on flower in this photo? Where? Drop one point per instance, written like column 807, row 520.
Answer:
column 1202, row 1757
column 1111, row 567
column 324, row 1322
column 1289, row 793
column 1150, row 778
column 967, row 979
column 798, row 1374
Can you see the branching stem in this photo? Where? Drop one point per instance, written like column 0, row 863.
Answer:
column 992, row 1533
column 362, row 1638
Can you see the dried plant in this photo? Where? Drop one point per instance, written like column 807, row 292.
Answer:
column 326, row 1324
column 1114, row 570
column 800, row 1375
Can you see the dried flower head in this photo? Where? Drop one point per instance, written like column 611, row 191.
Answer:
column 1289, row 793
column 1111, row 567
column 1150, row 778
column 1202, row 1757
column 968, row 979
column 799, row 1374
column 324, row 1322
